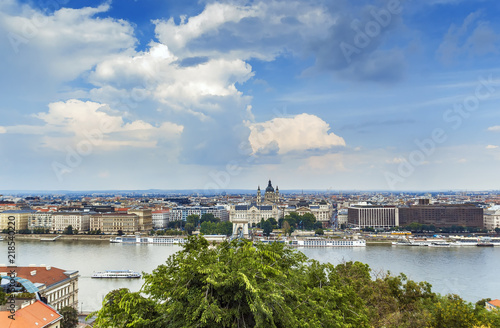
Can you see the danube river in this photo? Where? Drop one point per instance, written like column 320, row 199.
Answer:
column 471, row 272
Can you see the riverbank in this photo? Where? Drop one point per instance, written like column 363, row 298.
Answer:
column 62, row 237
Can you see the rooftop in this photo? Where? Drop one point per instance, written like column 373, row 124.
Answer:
column 40, row 274
column 37, row 314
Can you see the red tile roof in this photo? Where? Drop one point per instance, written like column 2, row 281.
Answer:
column 37, row 314
column 495, row 303
column 42, row 275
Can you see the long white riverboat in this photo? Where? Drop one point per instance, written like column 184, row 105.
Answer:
column 127, row 274
column 320, row 242
column 165, row 240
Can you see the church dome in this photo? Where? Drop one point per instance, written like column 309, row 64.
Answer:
column 269, row 187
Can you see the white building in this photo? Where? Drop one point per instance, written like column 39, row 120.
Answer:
column 160, row 219
column 78, row 220
column 491, row 218
column 41, row 219
column 182, row 212
column 253, row 213
column 322, row 211
column 373, row 216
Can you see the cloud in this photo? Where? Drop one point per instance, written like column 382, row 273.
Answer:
column 270, row 29
column 58, row 47
column 473, row 37
column 494, row 128
column 156, row 74
column 71, row 122
column 300, row 133
column 491, row 147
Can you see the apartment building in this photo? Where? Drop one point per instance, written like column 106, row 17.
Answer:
column 59, row 286
column 78, row 220
column 112, row 223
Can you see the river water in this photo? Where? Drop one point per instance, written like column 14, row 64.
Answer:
column 471, row 272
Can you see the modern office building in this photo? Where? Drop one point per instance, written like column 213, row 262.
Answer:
column 440, row 215
column 361, row 216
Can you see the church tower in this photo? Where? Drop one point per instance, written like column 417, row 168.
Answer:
column 259, row 197
column 277, row 195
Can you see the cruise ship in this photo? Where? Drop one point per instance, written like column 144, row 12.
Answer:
column 165, row 240
column 320, row 242
column 117, row 274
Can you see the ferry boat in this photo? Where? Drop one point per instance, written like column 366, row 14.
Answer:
column 477, row 241
column 165, row 240
column 320, row 242
column 439, row 244
column 410, row 242
column 129, row 274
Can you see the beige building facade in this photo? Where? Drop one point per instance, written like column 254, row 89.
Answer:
column 19, row 218
column 78, row 220
column 145, row 216
column 112, row 223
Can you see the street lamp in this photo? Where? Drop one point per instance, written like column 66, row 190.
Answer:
column 81, row 307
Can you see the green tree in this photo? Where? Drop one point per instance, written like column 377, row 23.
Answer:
column 267, row 228
column 286, row 228
column 194, row 219
column 70, row 317
column 209, row 217
column 236, row 284
column 319, row 231
column 189, row 227
column 3, row 297
column 208, row 228
column 318, row 225
column 308, row 220
column 68, row 230
column 225, row 228
column 273, row 222
column 178, row 224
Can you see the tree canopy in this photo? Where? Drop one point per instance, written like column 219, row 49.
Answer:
column 70, row 317
column 238, row 284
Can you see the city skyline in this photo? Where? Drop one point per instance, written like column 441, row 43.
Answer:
column 315, row 95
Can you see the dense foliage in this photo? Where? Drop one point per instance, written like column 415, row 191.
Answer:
column 70, row 317
column 238, row 284
column 219, row 228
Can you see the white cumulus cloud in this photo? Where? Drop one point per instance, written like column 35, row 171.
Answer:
column 74, row 121
column 300, row 133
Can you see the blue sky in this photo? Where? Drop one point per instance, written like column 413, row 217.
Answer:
column 365, row 95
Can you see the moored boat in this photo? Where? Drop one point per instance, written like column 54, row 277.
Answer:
column 314, row 242
column 166, row 240
column 129, row 274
